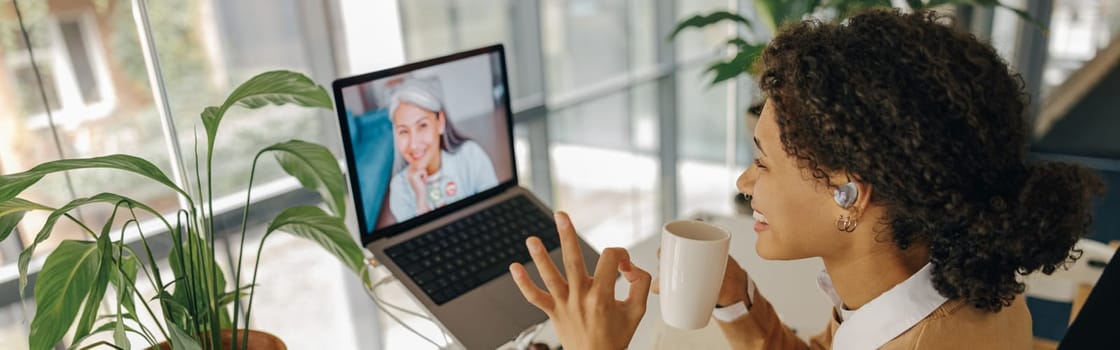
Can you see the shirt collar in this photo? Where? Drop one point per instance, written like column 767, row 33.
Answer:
column 888, row 315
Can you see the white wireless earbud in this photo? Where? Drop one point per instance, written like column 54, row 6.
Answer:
column 846, row 195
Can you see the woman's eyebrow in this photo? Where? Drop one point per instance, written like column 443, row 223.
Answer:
column 759, row 145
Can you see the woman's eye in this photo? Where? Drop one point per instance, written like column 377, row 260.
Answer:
column 758, row 162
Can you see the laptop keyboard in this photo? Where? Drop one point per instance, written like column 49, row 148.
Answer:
column 473, row 250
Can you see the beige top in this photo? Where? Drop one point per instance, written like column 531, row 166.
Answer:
column 952, row 324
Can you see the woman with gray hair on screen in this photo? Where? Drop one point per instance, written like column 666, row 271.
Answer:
column 442, row 166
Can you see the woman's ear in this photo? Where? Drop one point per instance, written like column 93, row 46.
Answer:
column 851, row 194
column 864, row 200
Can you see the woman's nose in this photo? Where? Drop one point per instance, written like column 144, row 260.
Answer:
column 746, row 180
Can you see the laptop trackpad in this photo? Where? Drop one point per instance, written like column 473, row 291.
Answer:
column 508, row 298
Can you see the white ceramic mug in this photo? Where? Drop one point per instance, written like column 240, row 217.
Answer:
column 693, row 259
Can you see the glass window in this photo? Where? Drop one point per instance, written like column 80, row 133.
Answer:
column 605, row 166
column 98, row 108
column 439, row 27
column 323, row 289
column 77, row 47
column 97, row 88
column 1005, row 29
column 12, row 332
column 71, row 64
column 695, row 43
column 1075, row 113
column 521, row 151
column 705, row 178
column 31, row 100
column 584, row 41
column 200, row 67
column 1078, row 30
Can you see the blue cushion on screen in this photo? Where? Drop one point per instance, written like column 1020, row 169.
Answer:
column 372, row 137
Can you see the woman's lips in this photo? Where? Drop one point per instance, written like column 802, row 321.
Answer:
column 760, row 223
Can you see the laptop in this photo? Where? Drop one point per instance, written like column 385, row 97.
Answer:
column 429, row 148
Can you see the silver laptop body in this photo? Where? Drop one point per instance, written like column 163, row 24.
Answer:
column 487, row 315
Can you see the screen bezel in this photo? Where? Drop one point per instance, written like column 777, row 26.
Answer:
column 367, row 232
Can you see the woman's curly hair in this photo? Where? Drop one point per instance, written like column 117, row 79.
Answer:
column 934, row 121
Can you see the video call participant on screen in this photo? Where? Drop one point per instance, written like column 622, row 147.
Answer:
column 442, row 165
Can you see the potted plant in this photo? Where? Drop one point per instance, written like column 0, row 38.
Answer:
column 195, row 302
column 772, row 14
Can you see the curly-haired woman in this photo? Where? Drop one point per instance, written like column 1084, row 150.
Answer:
column 894, row 148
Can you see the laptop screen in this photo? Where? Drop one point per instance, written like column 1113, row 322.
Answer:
column 425, row 138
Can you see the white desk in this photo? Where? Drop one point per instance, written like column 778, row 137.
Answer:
column 789, row 285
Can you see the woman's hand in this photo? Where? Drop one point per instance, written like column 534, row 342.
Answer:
column 417, row 178
column 583, row 308
column 734, row 287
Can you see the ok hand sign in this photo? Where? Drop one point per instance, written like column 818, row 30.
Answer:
column 583, row 308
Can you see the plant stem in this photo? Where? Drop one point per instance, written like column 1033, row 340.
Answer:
column 154, row 316
column 241, row 255
column 208, row 221
column 81, row 224
column 185, row 265
column 155, row 273
column 120, row 303
column 200, row 223
column 145, row 269
column 256, row 265
column 147, row 249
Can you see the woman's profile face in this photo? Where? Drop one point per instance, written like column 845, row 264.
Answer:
column 417, row 134
column 798, row 210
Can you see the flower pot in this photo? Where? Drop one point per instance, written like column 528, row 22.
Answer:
column 257, row 341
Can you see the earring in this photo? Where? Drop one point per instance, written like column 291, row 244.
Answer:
column 846, row 223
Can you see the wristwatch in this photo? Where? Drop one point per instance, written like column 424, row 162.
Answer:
column 737, row 310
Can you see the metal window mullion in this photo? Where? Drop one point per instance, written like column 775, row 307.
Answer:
column 319, row 20
column 527, row 38
column 1031, row 52
column 159, row 96
column 321, row 58
column 731, row 114
column 665, row 19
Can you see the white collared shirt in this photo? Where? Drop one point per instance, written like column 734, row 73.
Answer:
column 888, row 315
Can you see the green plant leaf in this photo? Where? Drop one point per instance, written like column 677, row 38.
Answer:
column 127, row 266
column 198, row 259
column 52, row 219
column 110, row 326
column 229, row 297
column 276, row 88
column 100, row 281
column 738, row 43
column 177, row 311
column 743, row 62
column 701, row 21
column 8, row 224
column 11, row 212
column 119, row 336
column 12, row 185
column 317, row 170
column 67, row 277
column 180, row 340
column 329, row 231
